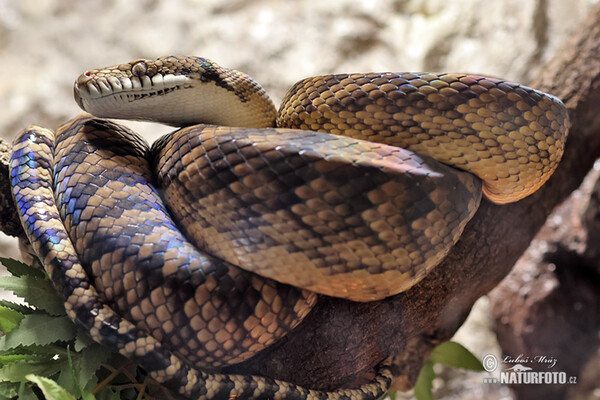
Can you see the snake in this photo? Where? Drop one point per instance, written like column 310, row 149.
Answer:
column 215, row 242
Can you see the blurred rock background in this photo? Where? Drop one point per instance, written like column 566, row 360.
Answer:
column 46, row 44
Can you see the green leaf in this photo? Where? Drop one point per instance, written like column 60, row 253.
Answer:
column 455, row 355
column 51, row 389
column 25, row 392
column 424, row 382
column 39, row 292
column 80, row 378
column 21, row 308
column 49, row 350
column 68, row 377
column 9, row 319
column 17, row 268
column 31, row 358
column 82, row 340
column 87, row 396
column 39, row 329
column 8, row 389
column 390, row 395
column 17, row 371
column 92, row 358
column 106, row 393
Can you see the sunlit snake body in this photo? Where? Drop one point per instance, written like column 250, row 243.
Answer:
column 323, row 213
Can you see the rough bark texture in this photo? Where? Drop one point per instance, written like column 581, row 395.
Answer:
column 551, row 308
column 549, row 305
column 9, row 219
column 340, row 342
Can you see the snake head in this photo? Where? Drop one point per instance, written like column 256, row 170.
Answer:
column 176, row 91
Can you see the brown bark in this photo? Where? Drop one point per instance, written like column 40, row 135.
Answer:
column 549, row 304
column 9, row 219
column 340, row 342
column 551, row 307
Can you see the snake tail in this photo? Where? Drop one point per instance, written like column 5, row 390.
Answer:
column 40, row 166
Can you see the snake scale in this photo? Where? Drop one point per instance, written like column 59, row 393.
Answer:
column 209, row 246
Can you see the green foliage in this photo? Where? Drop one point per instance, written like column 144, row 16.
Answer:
column 9, row 319
column 451, row 354
column 44, row 355
column 455, row 355
column 424, row 382
column 18, row 307
column 38, row 291
column 39, row 329
column 50, row 389
column 17, row 268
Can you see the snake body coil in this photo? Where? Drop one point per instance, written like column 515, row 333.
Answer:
column 281, row 212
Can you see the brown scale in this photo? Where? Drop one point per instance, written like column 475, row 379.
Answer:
column 335, row 215
column 207, row 311
column 300, row 211
column 509, row 135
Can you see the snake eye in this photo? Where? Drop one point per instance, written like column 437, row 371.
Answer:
column 139, row 69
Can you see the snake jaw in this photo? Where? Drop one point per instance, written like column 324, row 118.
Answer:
column 127, row 97
column 141, row 90
column 77, row 96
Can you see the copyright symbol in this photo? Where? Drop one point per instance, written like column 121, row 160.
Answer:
column 490, row 362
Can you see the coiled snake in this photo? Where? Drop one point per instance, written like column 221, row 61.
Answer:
column 211, row 245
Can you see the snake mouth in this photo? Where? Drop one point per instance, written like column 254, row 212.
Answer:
column 207, row 93
column 88, row 89
column 142, row 98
